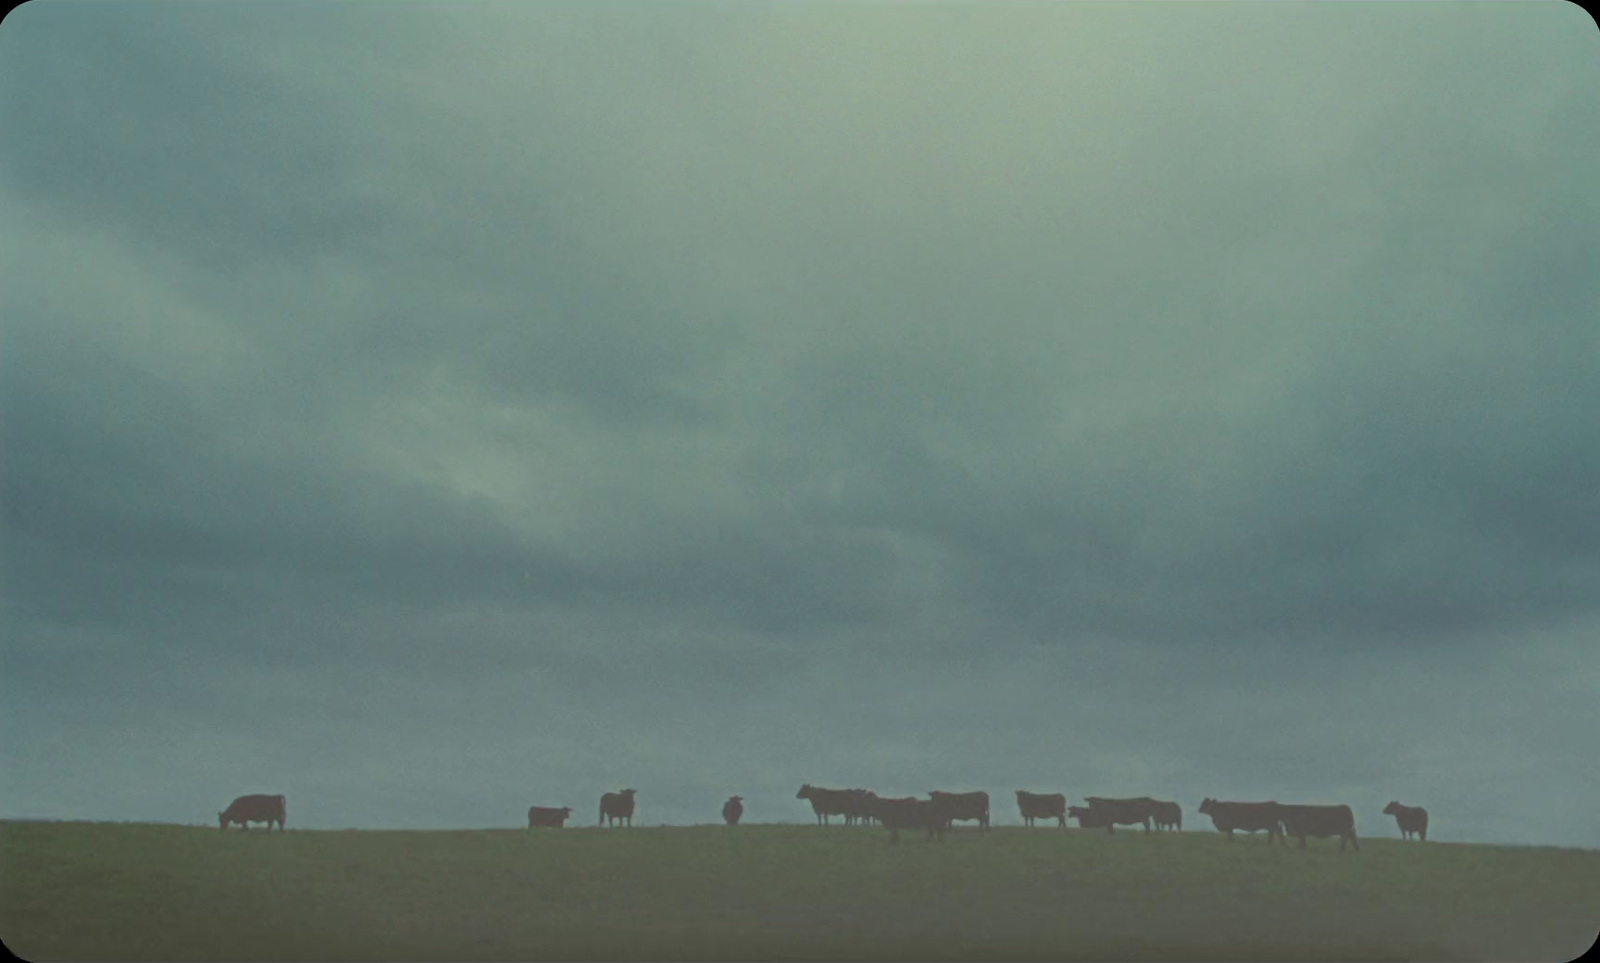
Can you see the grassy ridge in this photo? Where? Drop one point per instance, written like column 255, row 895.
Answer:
column 108, row 891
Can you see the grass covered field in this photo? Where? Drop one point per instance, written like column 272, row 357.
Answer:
column 131, row 891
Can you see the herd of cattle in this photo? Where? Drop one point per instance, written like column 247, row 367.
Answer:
column 941, row 810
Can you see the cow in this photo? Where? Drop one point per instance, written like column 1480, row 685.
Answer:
column 962, row 805
column 1319, row 821
column 555, row 818
column 732, row 810
column 617, row 805
column 1035, row 805
column 1413, row 820
column 1167, row 815
column 1087, row 818
column 830, row 802
column 907, row 813
column 1125, row 812
column 254, row 809
column 855, row 806
column 1251, row 817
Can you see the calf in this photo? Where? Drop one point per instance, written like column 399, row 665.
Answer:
column 1042, row 806
column 1321, row 822
column 1251, row 817
column 907, row 813
column 962, row 805
column 1087, row 818
column 547, row 816
column 254, row 809
column 615, row 806
column 1413, row 820
column 1123, row 812
column 732, row 810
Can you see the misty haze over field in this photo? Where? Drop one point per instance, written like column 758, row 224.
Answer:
column 429, row 411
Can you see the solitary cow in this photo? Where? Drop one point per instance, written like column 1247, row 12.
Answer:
column 907, row 813
column 254, row 809
column 732, row 810
column 1122, row 812
column 961, row 805
column 1087, row 818
column 1167, row 815
column 1250, row 817
column 1042, row 806
column 1413, row 820
column 547, row 816
column 831, row 802
column 615, row 806
column 1319, row 821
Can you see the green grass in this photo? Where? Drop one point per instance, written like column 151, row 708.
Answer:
column 129, row 891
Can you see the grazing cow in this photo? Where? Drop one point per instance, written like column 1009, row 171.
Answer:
column 907, row 813
column 732, row 810
column 1167, row 815
column 830, row 802
column 1251, row 817
column 615, row 806
column 1413, row 820
column 1319, row 821
column 548, row 816
column 254, row 809
column 1087, row 818
column 962, row 805
column 1042, row 806
column 1123, row 812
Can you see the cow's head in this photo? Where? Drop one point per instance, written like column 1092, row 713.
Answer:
column 1206, row 805
column 566, row 811
column 804, row 793
column 629, row 792
column 222, row 820
column 1392, row 809
column 735, row 799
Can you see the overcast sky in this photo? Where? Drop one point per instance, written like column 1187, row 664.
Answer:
column 430, row 411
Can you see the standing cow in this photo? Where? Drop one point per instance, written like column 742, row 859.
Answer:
column 547, row 816
column 732, row 810
column 907, row 813
column 1321, row 822
column 615, row 806
column 1034, row 805
column 1250, row 817
column 1413, row 820
column 1122, row 812
column 831, row 802
column 961, row 805
column 254, row 809
column 1167, row 815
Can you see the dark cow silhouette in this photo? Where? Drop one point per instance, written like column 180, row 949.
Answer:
column 961, row 805
column 1319, row 821
column 1167, row 815
column 1035, row 805
column 855, row 807
column 547, row 816
column 1413, row 820
column 1250, row 817
column 831, row 802
column 907, row 813
column 1122, row 812
column 615, row 806
column 1088, row 818
column 254, row 809
column 732, row 810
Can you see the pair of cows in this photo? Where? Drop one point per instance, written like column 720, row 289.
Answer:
column 1140, row 810
column 935, row 814
column 614, row 806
